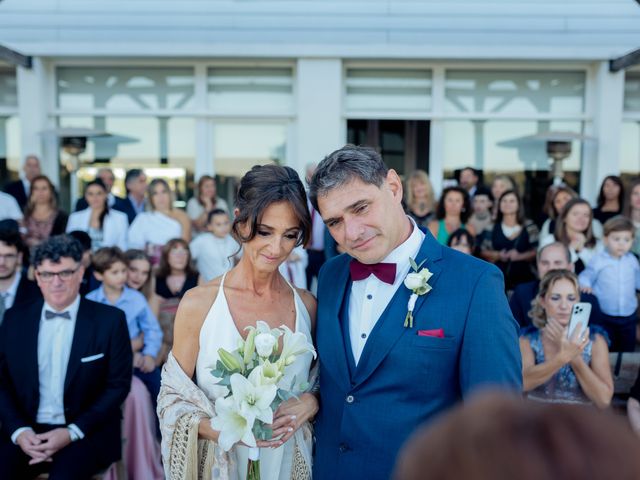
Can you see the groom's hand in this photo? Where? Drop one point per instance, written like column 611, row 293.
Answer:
column 292, row 414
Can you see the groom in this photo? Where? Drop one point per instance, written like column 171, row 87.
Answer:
column 380, row 380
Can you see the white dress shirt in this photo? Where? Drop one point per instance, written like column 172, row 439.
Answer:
column 9, row 208
column 114, row 226
column 370, row 296
column 55, row 337
column 10, row 294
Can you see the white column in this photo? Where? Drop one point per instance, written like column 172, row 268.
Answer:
column 436, row 137
column 33, row 103
column 204, row 151
column 605, row 101
column 320, row 128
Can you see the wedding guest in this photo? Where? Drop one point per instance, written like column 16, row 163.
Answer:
column 151, row 230
column 556, row 367
column 89, row 281
column 106, row 227
column 293, row 268
column 554, row 256
column 135, row 181
column 453, row 212
column 110, row 267
column 139, row 278
column 42, row 217
column 20, row 189
column 175, row 275
column 512, row 243
column 559, row 197
column 632, row 212
column 500, row 184
column 420, row 198
column 316, row 246
column 610, row 199
column 482, row 219
column 215, row 251
column 498, row 437
column 15, row 286
column 574, row 228
column 108, row 178
column 65, row 369
column 9, row 208
column 469, row 180
column 205, row 201
column 462, row 241
column 613, row 275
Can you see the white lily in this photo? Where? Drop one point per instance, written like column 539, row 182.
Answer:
column 233, row 424
column 266, row 374
column 254, row 400
column 265, row 343
column 294, row 344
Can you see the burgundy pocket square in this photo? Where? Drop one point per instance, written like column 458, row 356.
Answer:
column 438, row 333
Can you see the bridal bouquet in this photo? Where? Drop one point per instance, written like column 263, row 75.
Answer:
column 255, row 375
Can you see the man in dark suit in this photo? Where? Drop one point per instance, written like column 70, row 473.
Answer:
column 65, row 369
column 108, row 178
column 15, row 286
column 136, row 184
column 554, row 256
column 20, row 189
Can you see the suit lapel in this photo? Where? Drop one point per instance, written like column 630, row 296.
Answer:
column 31, row 331
column 390, row 325
column 334, row 355
column 81, row 338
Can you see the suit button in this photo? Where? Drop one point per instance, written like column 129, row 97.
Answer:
column 343, row 448
column 350, row 399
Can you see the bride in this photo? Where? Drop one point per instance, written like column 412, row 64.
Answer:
column 271, row 219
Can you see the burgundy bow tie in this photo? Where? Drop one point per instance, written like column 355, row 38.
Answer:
column 386, row 272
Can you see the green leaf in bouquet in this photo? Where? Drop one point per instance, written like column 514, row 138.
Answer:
column 217, row 373
column 303, row 386
column 413, row 263
column 261, row 431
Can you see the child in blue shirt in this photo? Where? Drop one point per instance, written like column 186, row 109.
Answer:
column 613, row 275
column 110, row 267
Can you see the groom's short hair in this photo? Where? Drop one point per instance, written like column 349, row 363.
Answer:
column 344, row 165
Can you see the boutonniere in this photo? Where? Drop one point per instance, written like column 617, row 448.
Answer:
column 416, row 281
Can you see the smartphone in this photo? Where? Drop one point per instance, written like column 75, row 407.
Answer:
column 579, row 317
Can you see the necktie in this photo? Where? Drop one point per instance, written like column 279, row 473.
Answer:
column 49, row 315
column 386, row 272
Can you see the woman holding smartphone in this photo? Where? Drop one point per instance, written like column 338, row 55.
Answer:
column 556, row 367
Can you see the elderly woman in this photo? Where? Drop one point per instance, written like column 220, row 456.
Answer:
column 557, row 367
column 151, row 230
column 272, row 218
column 420, row 198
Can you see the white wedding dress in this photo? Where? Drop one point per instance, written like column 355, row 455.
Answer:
column 293, row 459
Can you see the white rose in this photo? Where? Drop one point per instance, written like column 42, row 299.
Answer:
column 264, row 344
column 426, row 274
column 414, row 281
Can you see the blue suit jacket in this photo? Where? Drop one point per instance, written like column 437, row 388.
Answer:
column 402, row 379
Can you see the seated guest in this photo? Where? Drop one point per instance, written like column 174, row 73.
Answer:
column 575, row 228
column 110, row 267
column 108, row 178
column 512, row 242
column 20, row 189
column 556, row 367
column 139, row 278
column 610, row 199
column 65, row 369
column 613, row 275
column 497, row 437
column 214, row 251
column 554, row 256
column 106, row 227
column 453, row 212
column 174, row 277
column 205, row 201
column 15, row 287
column 500, row 184
column 42, row 217
column 558, row 197
column 462, row 241
column 135, row 181
column 9, row 208
column 421, row 201
column 482, row 218
column 150, row 231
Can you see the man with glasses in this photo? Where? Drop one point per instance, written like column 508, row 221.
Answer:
column 15, row 287
column 65, row 369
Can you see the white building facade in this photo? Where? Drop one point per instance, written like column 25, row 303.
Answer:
column 214, row 86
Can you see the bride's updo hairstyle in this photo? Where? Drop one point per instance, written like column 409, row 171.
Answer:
column 260, row 187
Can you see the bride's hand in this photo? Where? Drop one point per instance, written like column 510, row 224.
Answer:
column 292, row 414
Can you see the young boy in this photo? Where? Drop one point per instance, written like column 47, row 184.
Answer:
column 482, row 203
column 214, row 251
column 614, row 276
column 110, row 267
